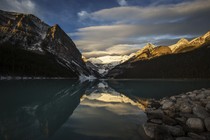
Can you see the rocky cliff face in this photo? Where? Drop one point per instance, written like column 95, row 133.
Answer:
column 27, row 32
column 60, row 44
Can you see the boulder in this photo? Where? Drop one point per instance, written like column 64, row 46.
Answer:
column 206, row 92
column 175, row 130
column 168, row 120
column 162, row 133
column 187, row 115
column 149, row 129
column 208, row 106
column 200, row 112
column 196, row 136
column 207, row 123
column 170, row 112
column 200, row 96
column 155, row 114
column 195, row 124
column 167, row 105
column 183, row 138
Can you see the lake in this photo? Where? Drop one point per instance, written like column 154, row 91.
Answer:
column 70, row 110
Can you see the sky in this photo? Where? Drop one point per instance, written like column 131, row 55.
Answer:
column 119, row 27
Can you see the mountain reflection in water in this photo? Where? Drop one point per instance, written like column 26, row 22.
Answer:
column 68, row 109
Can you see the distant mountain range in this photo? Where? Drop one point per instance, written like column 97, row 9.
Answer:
column 105, row 63
column 185, row 59
column 30, row 47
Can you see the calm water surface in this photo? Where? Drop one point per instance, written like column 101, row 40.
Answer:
column 70, row 110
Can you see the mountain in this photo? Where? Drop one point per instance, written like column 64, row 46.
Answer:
column 185, row 59
column 105, row 63
column 183, row 45
column 54, row 53
column 150, row 51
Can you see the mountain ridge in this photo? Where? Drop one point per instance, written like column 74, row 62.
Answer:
column 28, row 32
column 153, row 61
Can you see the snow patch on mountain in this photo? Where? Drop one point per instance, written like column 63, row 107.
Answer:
column 105, row 63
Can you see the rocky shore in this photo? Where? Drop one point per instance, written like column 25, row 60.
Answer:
column 180, row 117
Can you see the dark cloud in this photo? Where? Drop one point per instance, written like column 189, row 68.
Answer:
column 161, row 25
column 104, row 27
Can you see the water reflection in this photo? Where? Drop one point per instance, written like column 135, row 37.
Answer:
column 105, row 114
column 156, row 88
column 68, row 109
column 38, row 117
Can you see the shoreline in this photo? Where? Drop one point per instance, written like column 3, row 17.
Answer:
column 6, row 78
column 180, row 117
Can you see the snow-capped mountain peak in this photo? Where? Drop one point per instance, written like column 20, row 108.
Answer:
column 181, row 43
column 105, row 63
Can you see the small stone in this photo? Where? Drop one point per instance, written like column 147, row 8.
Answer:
column 188, row 93
column 184, row 96
column 196, row 136
column 204, row 102
column 192, row 95
column 187, row 115
column 175, row 130
column 183, row 138
column 207, row 123
column 185, row 108
column 173, row 98
column 149, row 129
column 163, row 101
column 181, row 120
column 167, row 105
column 156, row 121
column 200, row 112
column 168, row 120
column 155, row 104
column 170, row 112
column 196, row 124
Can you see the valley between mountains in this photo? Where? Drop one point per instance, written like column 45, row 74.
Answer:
column 31, row 48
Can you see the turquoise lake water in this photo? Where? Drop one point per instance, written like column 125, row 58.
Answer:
column 70, row 110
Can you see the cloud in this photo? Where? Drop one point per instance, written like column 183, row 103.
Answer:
column 122, row 2
column 129, row 28
column 167, row 13
column 119, row 49
column 24, row 6
column 83, row 15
